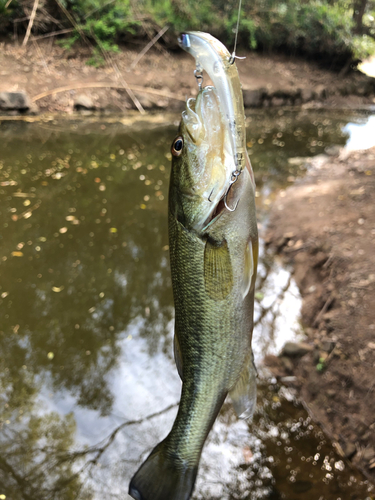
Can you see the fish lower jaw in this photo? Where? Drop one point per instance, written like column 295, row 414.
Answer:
column 214, row 215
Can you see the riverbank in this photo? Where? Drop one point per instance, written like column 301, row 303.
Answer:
column 52, row 79
column 324, row 227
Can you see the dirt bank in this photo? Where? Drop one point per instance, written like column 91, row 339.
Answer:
column 324, row 225
column 45, row 68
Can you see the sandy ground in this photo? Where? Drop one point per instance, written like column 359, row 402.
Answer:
column 324, row 225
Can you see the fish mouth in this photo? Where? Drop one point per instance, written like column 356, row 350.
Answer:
column 218, row 211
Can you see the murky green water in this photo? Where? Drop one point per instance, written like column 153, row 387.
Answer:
column 87, row 381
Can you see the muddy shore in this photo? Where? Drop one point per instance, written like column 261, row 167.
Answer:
column 53, row 80
column 324, row 226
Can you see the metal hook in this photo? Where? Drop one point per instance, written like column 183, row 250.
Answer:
column 233, row 57
column 234, row 178
column 199, row 77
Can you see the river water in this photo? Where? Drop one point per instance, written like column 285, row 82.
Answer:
column 88, row 384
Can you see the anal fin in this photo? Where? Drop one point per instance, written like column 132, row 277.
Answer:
column 244, row 392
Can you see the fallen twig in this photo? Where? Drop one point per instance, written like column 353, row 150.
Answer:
column 327, row 304
column 88, row 85
column 55, row 33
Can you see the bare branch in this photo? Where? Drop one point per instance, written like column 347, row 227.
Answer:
column 74, row 23
column 148, row 47
column 119, row 76
column 55, row 33
column 31, row 22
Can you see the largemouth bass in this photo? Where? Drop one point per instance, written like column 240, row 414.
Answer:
column 213, row 254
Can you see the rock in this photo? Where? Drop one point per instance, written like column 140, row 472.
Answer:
column 327, row 346
column 349, row 450
column 297, row 161
column 361, row 427
column 292, row 379
column 368, row 454
column 287, row 364
column 277, row 101
column 321, row 92
column 83, row 102
column 14, row 101
column 252, row 98
column 307, row 95
column 275, row 365
column 333, row 150
column 147, row 102
column 34, row 109
column 363, row 89
column 320, row 259
column 296, row 349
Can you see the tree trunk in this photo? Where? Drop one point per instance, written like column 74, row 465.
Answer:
column 359, row 8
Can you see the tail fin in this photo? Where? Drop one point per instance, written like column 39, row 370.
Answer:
column 162, row 478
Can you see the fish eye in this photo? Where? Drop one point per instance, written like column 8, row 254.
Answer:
column 177, row 146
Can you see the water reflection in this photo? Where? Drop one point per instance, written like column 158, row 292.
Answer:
column 88, row 383
column 361, row 134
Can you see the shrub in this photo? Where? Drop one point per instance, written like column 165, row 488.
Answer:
column 314, row 28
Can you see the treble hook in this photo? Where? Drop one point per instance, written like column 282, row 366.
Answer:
column 234, row 178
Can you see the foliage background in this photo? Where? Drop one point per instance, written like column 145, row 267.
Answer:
column 334, row 31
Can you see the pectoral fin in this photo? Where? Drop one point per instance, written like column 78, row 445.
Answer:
column 244, row 393
column 178, row 356
column 218, row 273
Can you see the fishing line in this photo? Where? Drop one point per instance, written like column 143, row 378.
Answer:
column 233, row 56
column 236, row 173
